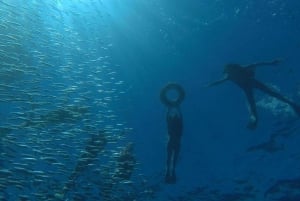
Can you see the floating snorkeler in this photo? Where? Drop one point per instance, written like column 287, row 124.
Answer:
column 175, row 127
column 244, row 77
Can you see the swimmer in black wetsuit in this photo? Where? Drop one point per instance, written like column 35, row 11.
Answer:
column 244, row 77
column 175, row 127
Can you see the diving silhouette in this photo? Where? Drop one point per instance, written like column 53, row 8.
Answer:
column 175, row 128
column 244, row 77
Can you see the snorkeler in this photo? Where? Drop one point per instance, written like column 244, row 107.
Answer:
column 244, row 77
column 175, row 128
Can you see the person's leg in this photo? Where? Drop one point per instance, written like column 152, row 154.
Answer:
column 175, row 158
column 277, row 95
column 252, row 108
column 169, row 158
column 271, row 92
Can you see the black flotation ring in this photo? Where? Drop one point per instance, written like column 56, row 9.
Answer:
column 172, row 102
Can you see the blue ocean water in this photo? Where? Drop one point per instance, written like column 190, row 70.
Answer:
column 80, row 83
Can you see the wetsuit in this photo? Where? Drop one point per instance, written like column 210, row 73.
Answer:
column 175, row 127
column 244, row 77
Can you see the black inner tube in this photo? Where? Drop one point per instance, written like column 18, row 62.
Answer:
column 172, row 102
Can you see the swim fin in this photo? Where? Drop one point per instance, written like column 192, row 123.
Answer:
column 170, row 179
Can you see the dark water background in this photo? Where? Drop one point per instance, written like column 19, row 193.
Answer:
column 112, row 57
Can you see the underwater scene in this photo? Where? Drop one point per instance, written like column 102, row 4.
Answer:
column 141, row 100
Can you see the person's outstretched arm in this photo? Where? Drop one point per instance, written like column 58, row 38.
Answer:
column 225, row 78
column 264, row 63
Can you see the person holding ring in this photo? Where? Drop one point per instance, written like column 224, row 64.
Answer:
column 174, row 125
